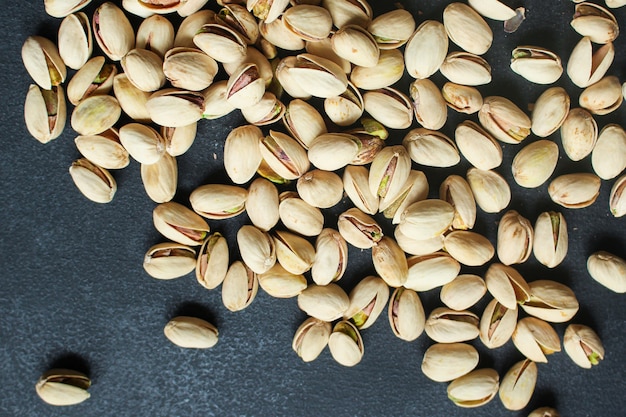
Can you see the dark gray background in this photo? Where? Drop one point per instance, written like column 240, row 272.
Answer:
column 73, row 292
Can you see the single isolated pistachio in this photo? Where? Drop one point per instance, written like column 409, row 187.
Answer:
column 551, row 240
column 367, row 300
column 299, row 216
column 466, row 69
column 575, row 190
column 390, row 262
column 450, row 326
column 596, row 22
column 94, row 182
column 160, row 180
column 579, row 133
column 406, row 314
column 62, row 387
column 62, row 8
column 469, row 248
column 497, row 324
column 504, row 120
column 603, row 97
column 536, row 64
column 609, row 270
column 280, row 283
column 112, row 30
column 45, row 112
column 462, row 98
column 322, row 189
column 311, row 338
column 212, row 262
column 491, row 191
column 474, row 389
column 467, row 29
column 518, row 385
column 477, row 146
column 180, row 224
column 608, row 157
column 43, row 63
column 583, row 345
column 95, row 77
column 431, row 271
column 426, row 49
column 550, row 111
column 345, row 344
column 456, row 191
column 444, row 362
column 392, row 29
column 551, row 301
column 257, row 248
column 239, row 287
column 331, row 257
column 515, row 238
column 142, row 142
column 617, row 200
column 169, row 260
column 324, row 302
column 191, row 332
column 535, row 339
column 586, row 66
column 155, row 33
column 75, row 40
column 535, row 163
column 426, row 219
column 463, row 292
column 218, row 201
column 95, row 114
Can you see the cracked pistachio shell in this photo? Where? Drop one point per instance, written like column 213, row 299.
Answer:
column 218, row 201
column 220, row 42
column 614, row 4
column 608, row 157
column 462, row 98
column 426, row 219
column 324, row 302
column 491, row 191
column 603, row 97
column 311, row 338
column 406, row 314
column 370, row 144
column 345, row 109
column 456, row 191
column 389, row 171
column 93, row 182
column 112, row 30
column 504, row 120
column 609, row 270
column 429, row 105
column 262, row 204
column 348, row 12
column 303, row 122
column 535, row 163
column 284, row 155
column 431, row 271
column 212, row 262
column 253, row 56
column 237, row 17
column 551, row 301
column 367, row 300
column 596, row 22
column 94, row 78
column 299, row 216
column 586, row 66
column 467, row 29
column 318, row 76
column 189, row 68
column 469, row 248
column 95, row 114
column 156, row 33
column 142, row 142
column 478, row 146
column 42, row 62
column 355, row 44
column 515, row 238
column 492, row 9
column 266, row 111
column 322, row 189
column 331, row 257
column 345, row 344
column 414, row 189
column 293, row 252
column 324, row 49
column 518, row 385
column 575, row 190
column 550, row 111
column 62, row 387
column 444, row 362
column 180, row 224
column 356, row 186
column 191, row 332
column 242, row 155
column 131, row 99
column 359, row 229
column 474, row 389
column 62, row 8
column 257, row 248
column 239, row 287
column 550, row 242
column 178, row 139
column 104, row 149
column 280, row 283
column 535, row 339
column 426, row 49
column 174, row 107
column 285, row 76
column 466, row 69
column 169, row 260
column 463, row 292
column 497, row 324
column 392, row 29
column 309, row 22
column 278, row 34
column 267, row 10
column 387, row 71
column 190, row 7
column 544, row 412
column 507, row 285
column 245, row 86
column 617, row 200
column 215, row 103
column 579, row 133
column 191, row 25
column 450, row 326
column 536, row 64
column 75, row 40
column 431, row 148
column 45, row 112
column 390, row 262
column 583, row 345
column 390, row 107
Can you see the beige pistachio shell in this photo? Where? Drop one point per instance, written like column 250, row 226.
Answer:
column 507, row 285
column 586, row 66
column 426, row 49
column 278, row 34
column 180, row 224
column 414, row 189
column 603, row 97
column 254, row 56
column 142, row 142
column 389, row 171
column 390, row 262
column 215, row 104
column 45, row 112
column 345, row 344
column 266, row 111
column 596, row 22
column 359, row 229
column 406, row 314
column 431, row 271
column 550, row 111
column 390, row 107
column 345, row 109
column 299, row 216
column 356, row 186
column 617, row 199
column 392, row 29
column 614, row 4
column 346, row 12
column 515, row 238
column 293, row 252
column 478, row 146
column 426, row 219
column 535, row 163
column 536, row 64
column 387, row 71
column 431, row 148
column 333, row 151
column 429, row 105
column 367, row 300
column 497, row 324
column 551, row 301
column 94, row 78
column 62, row 8
column 280, row 283
column 75, row 40
column 303, row 121
column 178, row 140
column 444, row 362
column 190, row 7
column 191, row 25
column 309, row 22
column 169, row 260
column 609, row 270
column 311, row 338
column 189, row 68
column 518, row 385
column 131, row 99
column 544, row 412
column 504, row 120
column 95, row 114
column 213, row 260
column 257, row 249
column 322, row 189
column 112, row 30
column 242, row 155
column 239, row 287
column 491, row 191
column 266, row 10
column 551, row 239
column 463, row 292
column 218, row 201
column 608, row 157
column 579, row 133
column 262, row 204
column 474, row 389
column 104, row 149
column 357, row 45
column 450, row 326
column 467, row 29
column 535, row 339
column 174, row 107
column 324, row 49
column 327, row 303
column 331, row 257
column 160, row 179
column 575, row 190
column 63, row 387
column 456, row 191
column 156, row 33
column 469, row 248
column 318, row 76
column 237, row 17
column 43, row 63
column 93, row 182
column 492, row 9
column 466, row 69
column 462, row 98
column 245, row 86
column 284, row 155
column 191, row 332
column 583, row 345
column 220, row 42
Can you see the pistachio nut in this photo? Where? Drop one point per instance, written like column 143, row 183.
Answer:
column 497, row 324
column 239, row 287
column 262, row 204
column 266, row 111
column 463, row 292
column 303, row 122
column 254, row 56
column 267, row 10
column 444, row 362
column 104, row 149
column 583, row 345
column 178, row 139
column 189, row 68
column 278, row 34
column 492, row 9
column 142, row 142
column 93, row 182
column 518, row 385
column 327, row 302
column 189, row 7
column 180, row 224
column 387, row 71
column 515, row 238
column 507, row 285
column 293, row 252
column 355, row 44
column 609, row 270
column 218, row 201
column 257, row 248
column 389, row 171
column 322, row 189
column 191, row 332
column 155, row 33
column 212, row 262
column 169, row 260
column 603, row 97
column 45, row 112
column 426, row 49
column 112, row 30
column 145, row 8
column 245, row 86
column 575, row 190
column 469, row 248
column 429, row 105
column 160, row 179
column 579, row 133
column 62, row 8
column 390, row 262
column 192, row 25
column 242, row 155
column 345, row 344
column 586, row 66
column 431, row 148
column 75, row 40
column 345, row 109
column 131, row 99
column 477, row 387
column 63, row 387
column 467, row 29
column 348, row 12
column 431, row 271
column 359, row 229
column 280, row 283
column 466, row 69
column 43, row 62
column 392, row 29
column 414, row 189
column 324, row 49
column 462, row 98
column 331, row 257
column 426, row 219
column 544, row 412
column 551, row 301
column 284, row 155
column 617, row 200
column 239, row 18
column 456, row 191
column 491, row 191
column 94, row 78
column 284, row 75
column 450, row 326
column 390, row 107
column 356, row 186
column 614, row 4
column 477, row 146
column 367, row 300
column 535, row 163
column 370, row 144
column 309, row 22
column 318, row 76
column 550, row 111
column 173, row 107
column 535, row 339
column 504, row 120
column 608, row 157
column 536, row 64
column 406, row 314
column 311, row 338
column 220, row 42
column 215, row 103
column 550, row 243
column 95, row 114
column 596, row 22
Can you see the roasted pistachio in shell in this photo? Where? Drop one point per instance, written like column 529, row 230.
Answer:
column 387, row 71
column 467, row 29
column 189, row 68
column 173, row 107
column 331, row 257
column 426, row 49
column 507, row 285
column 475, row 388
column 456, row 191
column 280, row 283
column 345, row 109
column 359, row 229
column 169, row 260
column 390, row 107
column 266, row 111
column 160, row 180
column 575, row 190
column 608, row 157
column 504, row 120
column 328, row 302
column 551, row 239
column 95, row 77
column 579, row 133
column 299, row 216
column 536, row 64
column 367, row 300
column 518, row 385
column 586, row 66
column 463, row 292
column 257, row 248
column 550, row 111
column 42, row 62
column 303, row 121
column 551, row 301
column 427, row 218
column 497, row 324
column 515, row 238
column 596, row 22
column 608, row 269
column 242, row 155
column 62, row 387
column 178, row 140
column 390, row 262
column 603, row 97
column 131, row 99
column 293, row 252
column 406, row 314
column 450, row 326
column 617, row 200
column 356, row 186
column 491, row 191
column 92, row 181
column 220, row 42
column 431, row 148
column 95, row 114
column 267, row 10
column 462, row 98
column 112, row 30
column 262, row 204
column 104, row 149
column 322, row 189
column 389, row 171
column 444, row 362
column 212, row 262
column 347, row 12
column 357, row 45
column 466, row 69
column 345, row 344
column 429, row 105
column 142, row 142
column 492, row 9
column 535, row 339
column 62, row 8
column 284, row 155
column 45, row 112
column 155, row 33
column 535, row 163
column 191, row 332
column 218, row 201
column 431, row 271
column 75, row 40
column 318, row 76
column 311, row 338
column 392, row 29
column 583, row 345
column 333, row 151
column 180, row 224
column 239, row 287
column 469, row 248
column 478, row 146
column 544, row 412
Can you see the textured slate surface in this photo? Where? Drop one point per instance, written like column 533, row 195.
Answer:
column 73, row 292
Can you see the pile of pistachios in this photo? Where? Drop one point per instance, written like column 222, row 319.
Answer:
column 278, row 54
